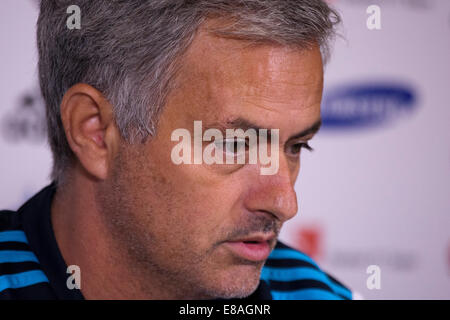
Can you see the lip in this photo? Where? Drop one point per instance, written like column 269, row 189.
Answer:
column 253, row 248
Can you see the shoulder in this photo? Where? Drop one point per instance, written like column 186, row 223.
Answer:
column 20, row 270
column 293, row 275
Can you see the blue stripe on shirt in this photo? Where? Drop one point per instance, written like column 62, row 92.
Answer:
column 302, row 273
column 17, row 256
column 14, row 236
column 23, row 279
column 291, row 254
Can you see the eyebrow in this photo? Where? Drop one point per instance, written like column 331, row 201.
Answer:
column 244, row 124
column 310, row 131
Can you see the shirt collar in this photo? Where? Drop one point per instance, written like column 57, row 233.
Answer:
column 36, row 221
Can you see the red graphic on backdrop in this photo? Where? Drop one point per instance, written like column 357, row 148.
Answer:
column 309, row 240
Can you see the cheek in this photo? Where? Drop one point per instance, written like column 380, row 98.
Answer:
column 207, row 209
column 205, row 214
column 191, row 204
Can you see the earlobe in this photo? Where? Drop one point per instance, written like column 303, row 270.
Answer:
column 87, row 119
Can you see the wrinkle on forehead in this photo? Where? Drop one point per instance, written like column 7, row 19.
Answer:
column 223, row 76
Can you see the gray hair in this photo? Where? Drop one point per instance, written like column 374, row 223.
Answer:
column 130, row 50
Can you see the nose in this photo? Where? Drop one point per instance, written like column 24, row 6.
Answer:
column 275, row 193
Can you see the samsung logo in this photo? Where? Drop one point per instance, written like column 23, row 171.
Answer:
column 369, row 104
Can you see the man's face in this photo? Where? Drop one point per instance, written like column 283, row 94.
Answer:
column 190, row 226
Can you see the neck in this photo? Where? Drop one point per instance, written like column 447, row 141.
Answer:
column 84, row 240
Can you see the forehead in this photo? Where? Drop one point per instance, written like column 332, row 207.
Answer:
column 224, row 78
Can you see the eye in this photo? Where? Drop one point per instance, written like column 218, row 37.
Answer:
column 296, row 148
column 234, row 146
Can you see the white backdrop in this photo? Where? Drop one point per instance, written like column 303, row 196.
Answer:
column 376, row 189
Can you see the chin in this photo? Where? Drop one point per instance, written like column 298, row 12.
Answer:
column 236, row 282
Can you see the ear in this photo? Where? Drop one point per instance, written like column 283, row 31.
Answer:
column 90, row 128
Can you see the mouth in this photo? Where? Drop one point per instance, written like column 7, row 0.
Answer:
column 253, row 248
